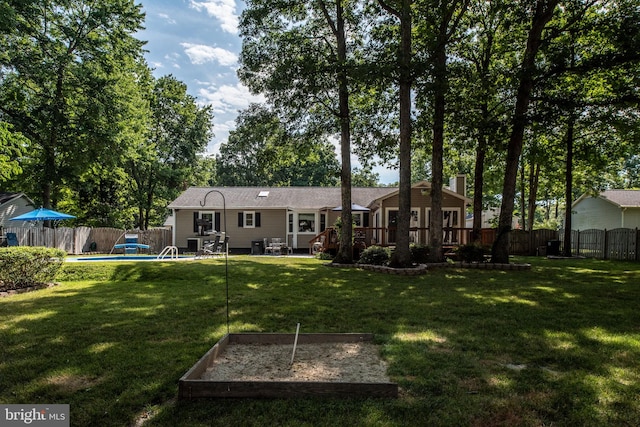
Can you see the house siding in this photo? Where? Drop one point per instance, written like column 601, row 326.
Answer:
column 595, row 213
column 13, row 208
column 272, row 224
column 632, row 218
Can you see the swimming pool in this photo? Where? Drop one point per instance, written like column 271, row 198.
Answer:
column 127, row 258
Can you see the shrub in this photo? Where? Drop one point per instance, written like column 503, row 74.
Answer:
column 374, row 255
column 471, row 253
column 25, row 266
column 326, row 256
column 419, row 253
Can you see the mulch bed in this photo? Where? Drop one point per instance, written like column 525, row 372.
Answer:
column 8, row 289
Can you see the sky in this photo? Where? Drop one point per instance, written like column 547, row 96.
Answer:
column 198, row 42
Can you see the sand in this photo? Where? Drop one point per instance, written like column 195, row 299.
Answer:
column 325, row 362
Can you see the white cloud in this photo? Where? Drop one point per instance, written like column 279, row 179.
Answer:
column 221, row 131
column 223, row 10
column 200, row 54
column 224, row 127
column 167, row 18
column 229, row 98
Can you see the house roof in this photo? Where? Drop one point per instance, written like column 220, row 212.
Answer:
column 8, row 197
column 275, row 197
column 620, row 198
column 426, row 185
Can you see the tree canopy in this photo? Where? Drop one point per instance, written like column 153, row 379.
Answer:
column 537, row 100
column 262, row 152
column 100, row 136
column 489, row 87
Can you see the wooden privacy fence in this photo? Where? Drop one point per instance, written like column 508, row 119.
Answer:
column 618, row 244
column 85, row 239
column 522, row 242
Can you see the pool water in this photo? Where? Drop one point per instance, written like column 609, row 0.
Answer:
column 125, row 258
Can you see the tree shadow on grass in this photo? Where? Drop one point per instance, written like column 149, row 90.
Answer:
column 557, row 345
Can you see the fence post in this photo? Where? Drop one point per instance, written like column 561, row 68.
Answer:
column 605, row 255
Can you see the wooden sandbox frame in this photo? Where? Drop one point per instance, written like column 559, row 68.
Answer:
column 193, row 386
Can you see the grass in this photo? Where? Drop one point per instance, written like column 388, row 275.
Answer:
column 557, row 345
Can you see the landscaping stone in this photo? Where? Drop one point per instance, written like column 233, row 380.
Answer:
column 423, row 268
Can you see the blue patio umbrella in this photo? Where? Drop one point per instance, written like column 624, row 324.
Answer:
column 42, row 214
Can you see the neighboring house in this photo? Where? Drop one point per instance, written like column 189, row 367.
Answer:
column 12, row 205
column 610, row 209
column 298, row 214
column 490, row 218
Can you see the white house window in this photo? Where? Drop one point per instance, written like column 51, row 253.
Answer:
column 249, row 219
column 306, row 222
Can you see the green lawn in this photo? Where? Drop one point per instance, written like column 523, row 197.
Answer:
column 557, row 345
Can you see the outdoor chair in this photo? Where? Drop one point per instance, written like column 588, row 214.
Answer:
column 318, row 246
column 276, row 247
column 12, row 239
column 209, row 249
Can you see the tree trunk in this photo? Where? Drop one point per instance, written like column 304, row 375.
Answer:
column 481, row 148
column 534, row 177
column 543, row 14
column 566, row 250
column 440, row 88
column 478, row 183
column 402, row 256
column 345, row 252
column 568, row 196
column 523, row 203
column 50, row 170
column 140, row 221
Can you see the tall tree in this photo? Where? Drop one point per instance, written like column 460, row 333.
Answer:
column 402, row 11
column 480, row 62
column 297, row 53
column 442, row 19
column 57, row 83
column 336, row 23
column 541, row 15
column 163, row 165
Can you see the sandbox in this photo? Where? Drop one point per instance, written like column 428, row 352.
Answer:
column 258, row 365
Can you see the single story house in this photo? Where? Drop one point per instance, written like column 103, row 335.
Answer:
column 297, row 215
column 12, row 205
column 608, row 210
